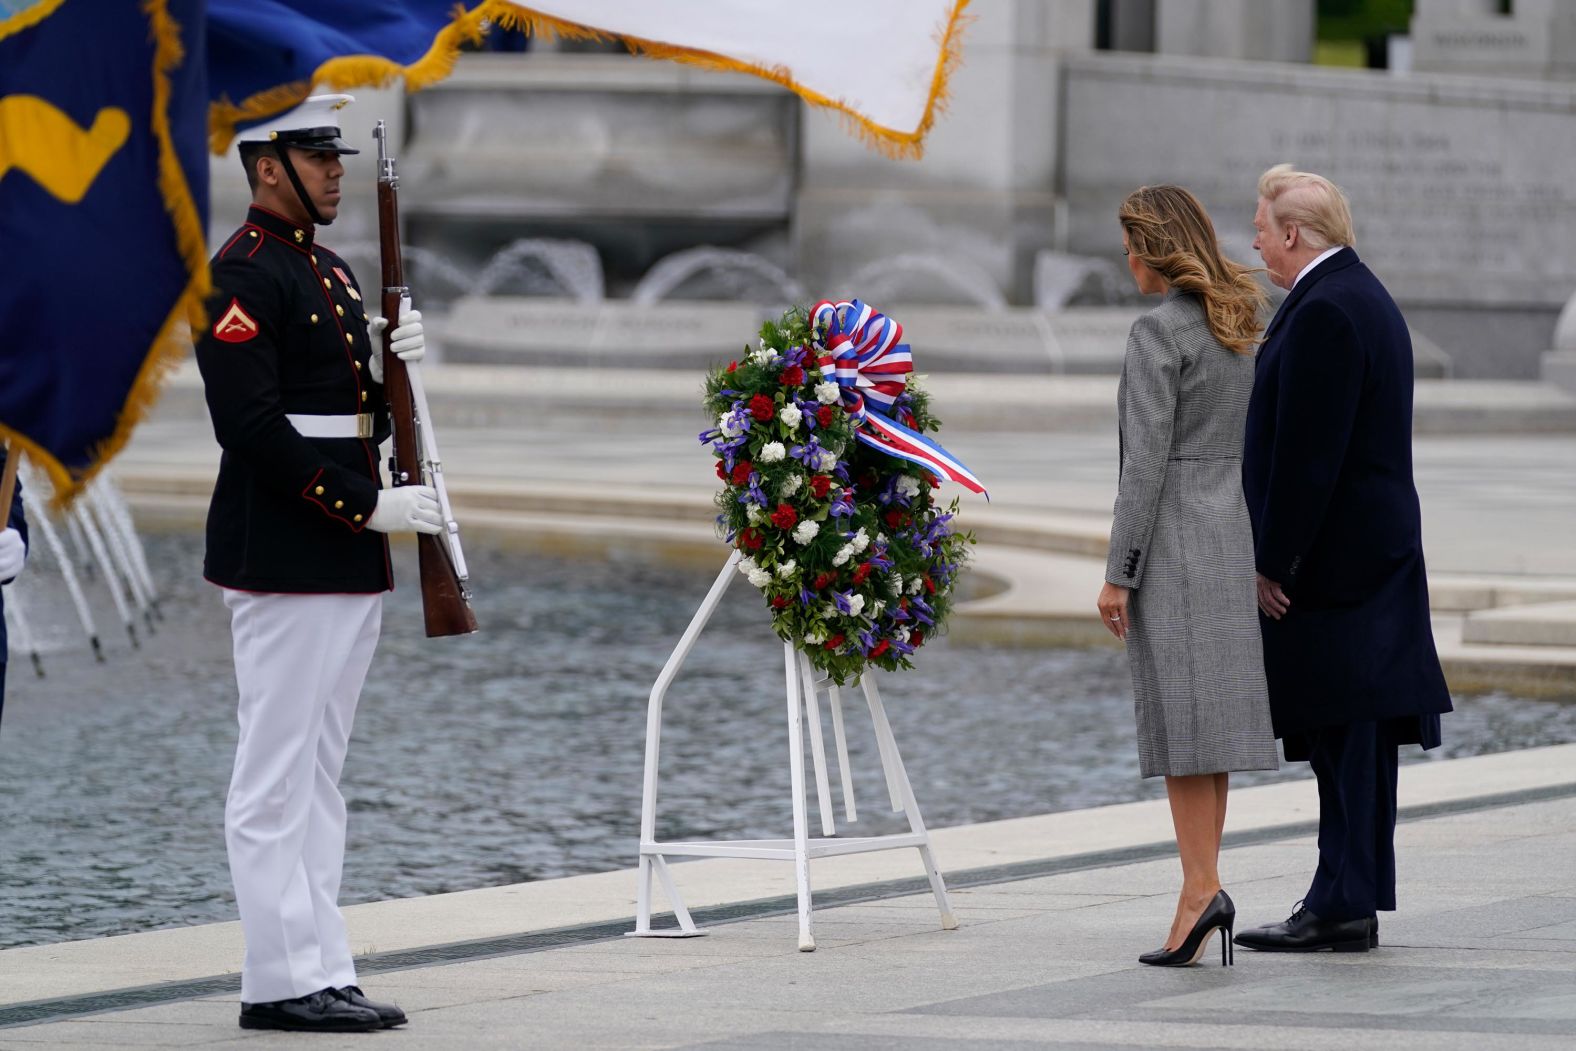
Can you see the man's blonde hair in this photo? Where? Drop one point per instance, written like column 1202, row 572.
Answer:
column 1310, row 202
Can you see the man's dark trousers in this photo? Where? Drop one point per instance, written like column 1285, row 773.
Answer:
column 1355, row 764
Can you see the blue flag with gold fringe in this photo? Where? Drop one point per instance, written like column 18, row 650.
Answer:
column 103, row 199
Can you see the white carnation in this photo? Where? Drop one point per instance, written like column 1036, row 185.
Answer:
column 730, row 425
column 754, row 514
column 907, row 485
column 792, row 485
column 897, row 583
column 805, row 531
column 856, row 604
column 826, row 460
column 916, row 585
column 815, row 637
column 760, row 578
column 875, row 608
column 861, row 541
column 772, row 452
column 790, row 415
column 902, row 634
column 827, row 393
column 844, row 553
column 747, row 566
column 785, row 570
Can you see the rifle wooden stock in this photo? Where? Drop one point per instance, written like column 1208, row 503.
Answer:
column 444, row 606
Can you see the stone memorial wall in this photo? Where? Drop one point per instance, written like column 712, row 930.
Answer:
column 1460, row 188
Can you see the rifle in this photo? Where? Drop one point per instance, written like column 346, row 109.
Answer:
column 445, row 600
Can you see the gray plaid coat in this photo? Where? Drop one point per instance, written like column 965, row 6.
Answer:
column 1181, row 540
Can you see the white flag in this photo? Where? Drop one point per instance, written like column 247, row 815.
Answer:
column 882, row 62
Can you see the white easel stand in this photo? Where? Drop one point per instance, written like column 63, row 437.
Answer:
column 803, row 696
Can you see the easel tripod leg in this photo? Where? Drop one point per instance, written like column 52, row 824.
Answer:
column 801, row 834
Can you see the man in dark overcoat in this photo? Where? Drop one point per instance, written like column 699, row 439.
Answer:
column 1343, row 595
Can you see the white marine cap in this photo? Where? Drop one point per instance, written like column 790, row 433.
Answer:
column 313, row 125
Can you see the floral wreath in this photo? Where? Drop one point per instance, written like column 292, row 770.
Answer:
column 828, row 488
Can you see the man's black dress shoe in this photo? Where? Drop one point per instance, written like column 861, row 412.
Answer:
column 1373, row 932
column 1306, row 932
column 388, row 1014
column 322, row 1012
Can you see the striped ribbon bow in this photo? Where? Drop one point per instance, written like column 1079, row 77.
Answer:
column 860, row 350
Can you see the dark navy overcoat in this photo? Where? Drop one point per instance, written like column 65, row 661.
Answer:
column 1327, row 471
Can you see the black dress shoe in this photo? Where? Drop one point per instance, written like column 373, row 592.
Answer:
column 322, row 1012
column 1219, row 915
column 388, row 1014
column 1306, row 932
column 1373, row 932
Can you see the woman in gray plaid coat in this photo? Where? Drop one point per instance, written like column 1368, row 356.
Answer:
column 1179, row 579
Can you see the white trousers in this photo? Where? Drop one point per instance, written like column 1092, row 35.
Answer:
column 300, row 661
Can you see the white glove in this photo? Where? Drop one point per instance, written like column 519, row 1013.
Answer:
column 13, row 553
column 407, row 509
column 408, row 341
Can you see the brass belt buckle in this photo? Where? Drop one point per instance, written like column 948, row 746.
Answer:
column 363, row 425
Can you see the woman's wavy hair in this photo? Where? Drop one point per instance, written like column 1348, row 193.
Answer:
column 1170, row 231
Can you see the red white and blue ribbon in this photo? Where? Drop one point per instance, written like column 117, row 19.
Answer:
column 861, row 350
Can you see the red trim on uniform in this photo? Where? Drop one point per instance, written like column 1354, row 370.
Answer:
column 312, row 498
column 231, row 243
column 258, row 244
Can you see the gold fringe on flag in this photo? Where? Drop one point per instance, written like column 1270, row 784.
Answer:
column 353, row 71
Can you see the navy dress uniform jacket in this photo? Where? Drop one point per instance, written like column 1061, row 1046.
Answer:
column 288, row 334
column 1327, row 472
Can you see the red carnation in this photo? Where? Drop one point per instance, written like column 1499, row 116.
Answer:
column 916, row 638
column 722, row 472
column 824, row 416
column 896, row 518
column 784, row 517
column 868, row 480
column 742, row 471
column 862, row 572
column 880, row 648
column 733, row 366
column 792, row 376
column 779, row 602
column 820, row 485
column 835, row 641
column 751, row 539
column 821, row 580
column 930, row 585
column 762, row 407
column 908, row 419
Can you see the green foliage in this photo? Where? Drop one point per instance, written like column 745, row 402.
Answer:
column 874, row 581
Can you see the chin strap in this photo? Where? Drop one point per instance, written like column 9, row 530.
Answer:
column 295, row 180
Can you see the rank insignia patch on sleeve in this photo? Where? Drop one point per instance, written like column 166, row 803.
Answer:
column 235, row 325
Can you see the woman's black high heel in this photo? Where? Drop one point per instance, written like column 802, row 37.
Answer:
column 1219, row 915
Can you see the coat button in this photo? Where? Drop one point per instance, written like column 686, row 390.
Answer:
column 350, row 338
column 338, row 504
column 339, row 309
column 326, row 283
column 356, row 519
column 363, row 395
column 314, row 319
column 358, row 366
column 318, row 490
column 254, row 233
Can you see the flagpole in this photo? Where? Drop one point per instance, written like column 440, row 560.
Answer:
column 8, row 482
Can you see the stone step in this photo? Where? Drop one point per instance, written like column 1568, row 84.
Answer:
column 1544, row 624
column 484, row 396
column 535, row 331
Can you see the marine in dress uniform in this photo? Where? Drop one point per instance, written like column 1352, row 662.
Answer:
column 13, row 554
column 296, row 539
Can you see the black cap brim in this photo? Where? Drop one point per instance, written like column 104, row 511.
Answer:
column 320, row 140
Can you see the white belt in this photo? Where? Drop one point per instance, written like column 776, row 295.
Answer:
column 357, row 426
